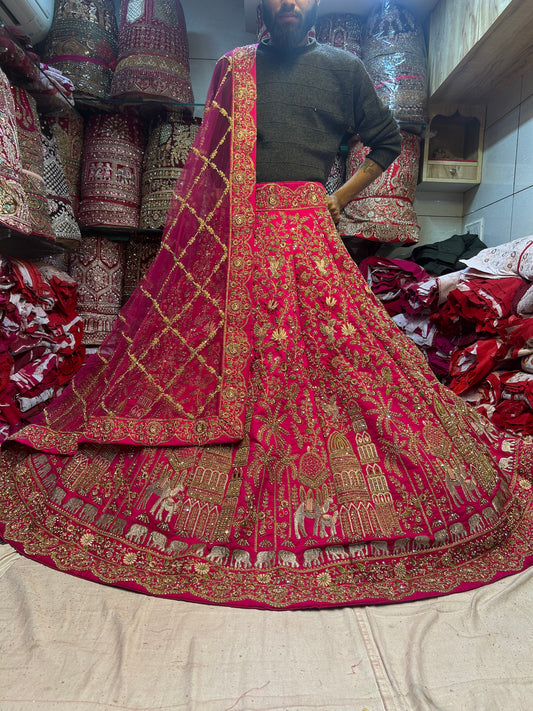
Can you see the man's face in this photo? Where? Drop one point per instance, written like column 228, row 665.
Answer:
column 289, row 21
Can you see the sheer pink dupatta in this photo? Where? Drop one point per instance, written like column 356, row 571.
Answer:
column 175, row 369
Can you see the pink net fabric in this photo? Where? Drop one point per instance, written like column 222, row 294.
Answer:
column 174, row 369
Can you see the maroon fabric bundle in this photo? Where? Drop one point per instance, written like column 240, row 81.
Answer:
column 474, row 336
column 40, row 339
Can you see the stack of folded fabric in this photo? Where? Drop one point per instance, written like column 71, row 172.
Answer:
column 40, row 337
column 475, row 325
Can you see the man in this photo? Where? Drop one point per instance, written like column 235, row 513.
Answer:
column 310, row 98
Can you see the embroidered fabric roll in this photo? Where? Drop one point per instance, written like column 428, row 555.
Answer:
column 167, row 148
column 64, row 223
column 344, row 30
column 98, row 268
column 140, row 253
column 153, row 54
column 14, row 212
column 68, row 130
column 508, row 259
column 337, row 174
column 395, row 56
column 383, row 211
column 82, row 44
column 32, row 162
column 111, row 171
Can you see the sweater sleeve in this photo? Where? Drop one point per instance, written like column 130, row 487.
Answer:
column 375, row 123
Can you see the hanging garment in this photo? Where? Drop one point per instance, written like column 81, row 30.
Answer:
column 256, row 431
column 153, row 53
column 111, row 171
column 14, row 211
column 82, row 45
column 383, row 211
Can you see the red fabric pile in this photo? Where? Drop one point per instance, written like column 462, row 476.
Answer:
column 40, row 339
column 475, row 329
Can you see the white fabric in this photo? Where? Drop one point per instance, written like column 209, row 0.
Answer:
column 67, row 644
column 509, row 259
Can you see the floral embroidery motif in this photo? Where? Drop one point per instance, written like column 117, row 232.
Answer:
column 355, row 477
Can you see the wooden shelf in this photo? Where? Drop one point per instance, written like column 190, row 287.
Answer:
column 121, row 234
column 476, row 45
column 453, row 148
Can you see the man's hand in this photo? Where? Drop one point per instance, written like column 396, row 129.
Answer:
column 365, row 175
column 334, row 207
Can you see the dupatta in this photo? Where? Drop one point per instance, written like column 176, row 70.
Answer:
column 175, row 369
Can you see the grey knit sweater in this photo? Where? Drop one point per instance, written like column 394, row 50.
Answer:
column 308, row 102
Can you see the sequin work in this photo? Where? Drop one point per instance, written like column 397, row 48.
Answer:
column 324, row 464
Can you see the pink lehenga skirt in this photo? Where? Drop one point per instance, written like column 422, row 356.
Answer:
column 359, row 479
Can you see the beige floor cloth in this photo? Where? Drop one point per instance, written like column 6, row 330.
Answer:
column 67, row 644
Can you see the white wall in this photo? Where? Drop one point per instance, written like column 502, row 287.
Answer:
column 504, row 199
column 213, row 28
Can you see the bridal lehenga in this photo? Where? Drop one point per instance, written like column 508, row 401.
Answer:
column 256, row 431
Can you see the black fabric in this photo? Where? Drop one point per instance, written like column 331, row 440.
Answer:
column 445, row 257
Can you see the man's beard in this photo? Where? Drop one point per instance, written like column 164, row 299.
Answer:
column 289, row 35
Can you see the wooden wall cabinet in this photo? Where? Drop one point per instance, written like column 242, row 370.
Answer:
column 475, row 45
column 453, row 148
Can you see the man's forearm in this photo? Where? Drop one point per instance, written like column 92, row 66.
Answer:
column 365, row 175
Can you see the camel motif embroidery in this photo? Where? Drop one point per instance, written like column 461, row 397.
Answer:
column 317, row 509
